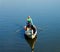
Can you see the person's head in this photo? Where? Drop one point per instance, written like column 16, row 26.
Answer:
column 28, row 16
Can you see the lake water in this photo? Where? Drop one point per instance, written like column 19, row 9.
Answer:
column 46, row 17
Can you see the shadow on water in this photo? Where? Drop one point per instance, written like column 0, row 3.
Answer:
column 31, row 42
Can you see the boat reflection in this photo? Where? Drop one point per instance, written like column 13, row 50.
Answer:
column 31, row 42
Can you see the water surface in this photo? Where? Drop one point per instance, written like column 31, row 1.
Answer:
column 45, row 15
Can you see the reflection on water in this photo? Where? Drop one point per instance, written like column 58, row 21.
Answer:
column 31, row 42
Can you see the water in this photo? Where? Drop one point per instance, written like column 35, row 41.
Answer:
column 45, row 15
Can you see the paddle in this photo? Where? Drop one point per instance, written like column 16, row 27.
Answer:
column 39, row 28
column 19, row 28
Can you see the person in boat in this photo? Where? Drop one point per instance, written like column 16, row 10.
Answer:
column 29, row 22
column 29, row 25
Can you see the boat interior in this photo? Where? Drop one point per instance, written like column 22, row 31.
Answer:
column 32, row 27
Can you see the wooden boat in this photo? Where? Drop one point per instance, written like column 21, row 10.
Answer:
column 32, row 33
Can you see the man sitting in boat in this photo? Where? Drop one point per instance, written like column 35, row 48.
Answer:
column 29, row 22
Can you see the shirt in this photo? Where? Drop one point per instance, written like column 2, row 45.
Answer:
column 29, row 20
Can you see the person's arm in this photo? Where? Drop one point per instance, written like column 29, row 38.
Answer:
column 31, row 22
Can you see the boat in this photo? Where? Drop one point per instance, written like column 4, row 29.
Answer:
column 31, row 34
